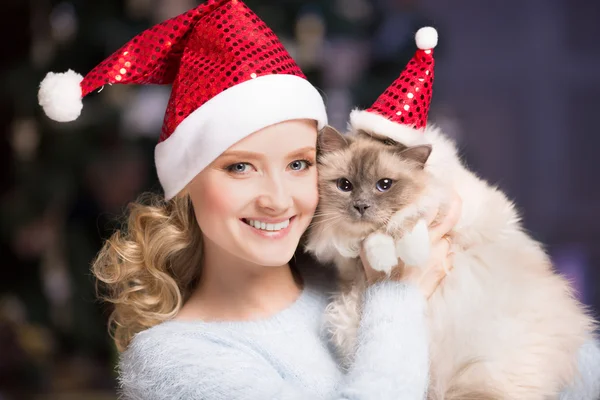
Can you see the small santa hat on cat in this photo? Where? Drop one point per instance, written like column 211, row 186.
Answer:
column 230, row 77
column 401, row 111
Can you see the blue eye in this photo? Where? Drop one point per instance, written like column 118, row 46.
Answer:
column 239, row 168
column 299, row 165
column 384, row 184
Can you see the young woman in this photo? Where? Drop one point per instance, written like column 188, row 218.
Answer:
column 212, row 298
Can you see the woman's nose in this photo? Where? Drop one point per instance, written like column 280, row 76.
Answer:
column 275, row 195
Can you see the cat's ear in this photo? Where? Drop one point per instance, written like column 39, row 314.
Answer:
column 331, row 140
column 419, row 153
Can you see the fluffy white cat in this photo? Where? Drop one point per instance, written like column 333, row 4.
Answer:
column 503, row 325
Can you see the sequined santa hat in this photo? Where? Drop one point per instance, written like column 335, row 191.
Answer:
column 230, row 77
column 401, row 111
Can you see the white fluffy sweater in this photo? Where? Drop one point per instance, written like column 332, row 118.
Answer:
column 287, row 357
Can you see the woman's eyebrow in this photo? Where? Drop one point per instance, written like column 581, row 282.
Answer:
column 242, row 154
column 303, row 151
column 252, row 155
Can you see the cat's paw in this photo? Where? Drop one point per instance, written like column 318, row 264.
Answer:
column 381, row 252
column 414, row 247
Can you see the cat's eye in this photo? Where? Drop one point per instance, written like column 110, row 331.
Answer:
column 344, row 185
column 384, row 184
column 390, row 142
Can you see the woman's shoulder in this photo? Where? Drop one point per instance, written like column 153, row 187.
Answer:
column 173, row 338
column 162, row 344
column 162, row 358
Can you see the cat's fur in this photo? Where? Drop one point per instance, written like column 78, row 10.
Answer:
column 503, row 325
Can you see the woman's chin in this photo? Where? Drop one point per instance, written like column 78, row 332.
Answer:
column 273, row 255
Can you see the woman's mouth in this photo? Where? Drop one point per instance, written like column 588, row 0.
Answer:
column 270, row 226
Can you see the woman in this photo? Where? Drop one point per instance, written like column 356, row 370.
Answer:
column 208, row 301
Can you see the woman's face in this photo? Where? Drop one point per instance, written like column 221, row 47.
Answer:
column 256, row 200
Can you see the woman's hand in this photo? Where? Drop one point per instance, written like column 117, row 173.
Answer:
column 426, row 277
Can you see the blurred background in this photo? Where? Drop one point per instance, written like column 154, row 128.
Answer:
column 516, row 84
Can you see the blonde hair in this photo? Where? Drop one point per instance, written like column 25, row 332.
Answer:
column 149, row 267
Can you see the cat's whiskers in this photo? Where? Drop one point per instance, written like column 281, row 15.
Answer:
column 322, row 221
column 329, row 219
column 382, row 221
column 319, row 214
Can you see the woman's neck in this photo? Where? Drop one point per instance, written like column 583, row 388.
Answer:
column 231, row 289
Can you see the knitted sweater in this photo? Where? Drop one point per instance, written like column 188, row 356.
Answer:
column 287, row 357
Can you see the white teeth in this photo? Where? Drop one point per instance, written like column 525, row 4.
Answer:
column 268, row 227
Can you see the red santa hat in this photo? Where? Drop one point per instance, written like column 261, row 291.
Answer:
column 230, row 77
column 401, row 111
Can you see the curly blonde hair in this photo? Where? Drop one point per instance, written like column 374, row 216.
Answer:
column 148, row 268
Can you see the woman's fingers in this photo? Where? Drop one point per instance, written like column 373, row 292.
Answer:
column 432, row 274
column 438, row 231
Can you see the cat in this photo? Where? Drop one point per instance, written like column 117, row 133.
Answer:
column 503, row 325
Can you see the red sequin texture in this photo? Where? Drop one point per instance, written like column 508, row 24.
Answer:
column 227, row 47
column 150, row 57
column 202, row 52
column 406, row 101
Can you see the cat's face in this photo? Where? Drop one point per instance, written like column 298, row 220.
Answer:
column 364, row 179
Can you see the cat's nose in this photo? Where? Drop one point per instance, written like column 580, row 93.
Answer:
column 361, row 208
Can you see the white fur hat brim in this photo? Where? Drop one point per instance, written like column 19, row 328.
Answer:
column 375, row 123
